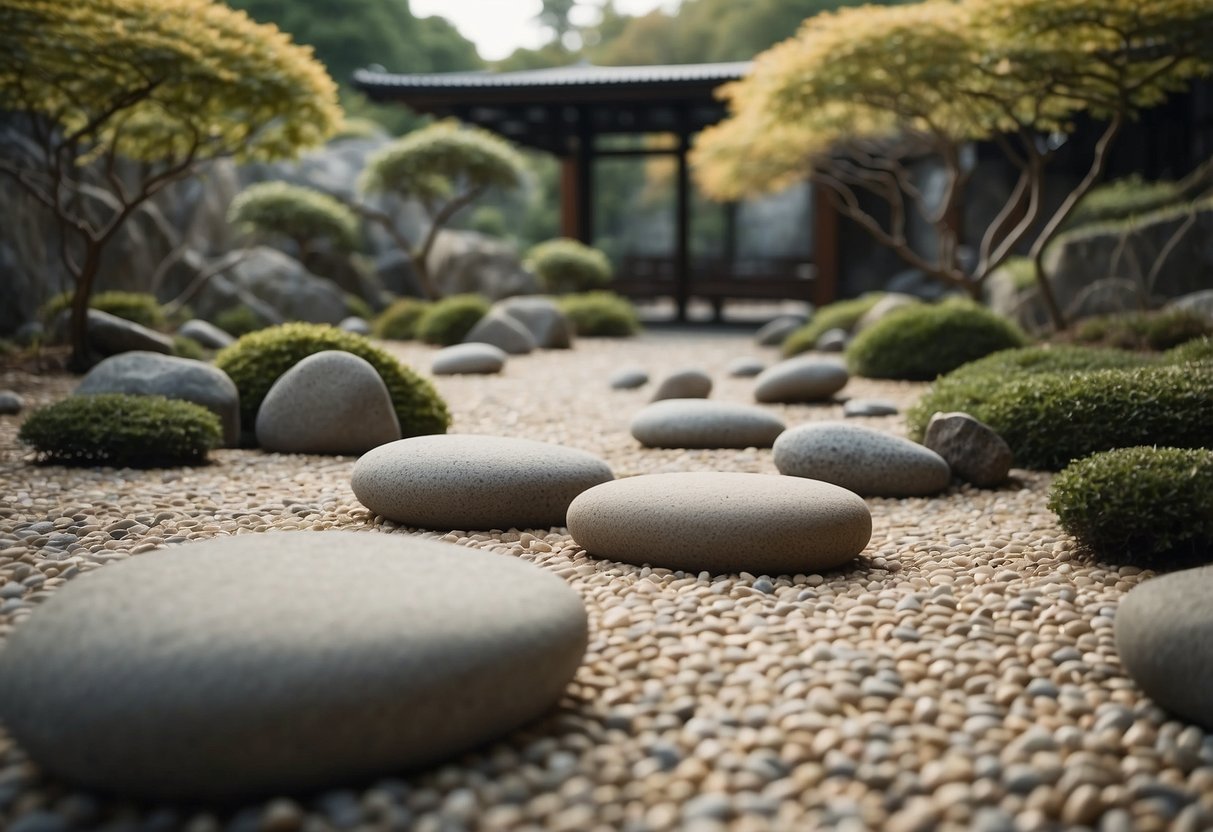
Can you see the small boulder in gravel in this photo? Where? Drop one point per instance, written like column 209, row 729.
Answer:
column 548, row 325
column 502, row 331
column 468, row 359
column 869, row 462
column 776, row 332
column 331, row 402
column 10, row 403
column 974, row 451
column 206, row 334
column 629, row 378
column 238, row 666
column 1164, row 635
column 700, row 423
column 722, row 522
column 869, row 407
column 884, row 307
column 356, row 325
column 833, row 340
column 745, row 367
column 799, row 380
column 143, row 373
column 462, row 481
column 684, row 384
column 109, row 335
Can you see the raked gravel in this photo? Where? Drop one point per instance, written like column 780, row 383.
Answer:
column 961, row 675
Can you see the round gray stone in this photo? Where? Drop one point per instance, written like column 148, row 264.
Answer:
column 11, row 402
column 866, row 461
column 1164, row 635
column 468, row 359
column 973, row 450
column 152, row 374
column 833, row 340
column 745, row 367
column 722, row 522
column 355, row 324
column 206, row 334
column 776, row 331
column 231, row 667
column 463, row 481
column 801, row 379
column 869, row 407
column 548, row 325
column 331, row 402
column 629, row 378
column 684, row 384
column 502, row 331
column 700, row 423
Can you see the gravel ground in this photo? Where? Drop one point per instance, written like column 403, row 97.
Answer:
column 961, row 675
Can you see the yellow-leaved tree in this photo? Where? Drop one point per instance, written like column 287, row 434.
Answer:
column 860, row 95
column 165, row 84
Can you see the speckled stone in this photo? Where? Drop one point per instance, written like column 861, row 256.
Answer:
column 468, row 359
column 776, row 331
column 973, row 450
column 699, row 423
column 869, row 407
column 722, row 522
column 331, row 402
column 745, row 367
column 502, row 331
column 206, row 334
column 235, row 666
column 684, row 384
column 462, row 481
column 801, row 379
column 629, row 378
column 1164, row 635
column 866, row 461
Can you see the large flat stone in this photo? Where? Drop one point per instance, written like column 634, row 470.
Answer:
column 463, row 481
column 283, row 662
column 700, row 423
column 800, row 380
column 866, row 461
column 542, row 317
column 722, row 522
column 109, row 335
column 504, row 332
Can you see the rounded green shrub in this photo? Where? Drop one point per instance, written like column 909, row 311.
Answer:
column 1156, row 331
column 1146, row 506
column 921, row 342
column 186, row 347
column 565, row 266
column 399, row 321
column 138, row 307
column 358, row 307
column 600, row 314
column 448, row 321
column 256, row 361
column 239, row 320
column 296, row 212
column 122, row 430
column 1194, row 351
column 842, row 314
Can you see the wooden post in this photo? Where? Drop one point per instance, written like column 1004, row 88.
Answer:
column 682, row 225
column 570, row 222
column 825, row 246
column 585, row 177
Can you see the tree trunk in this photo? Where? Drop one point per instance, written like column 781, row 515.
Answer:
column 81, row 358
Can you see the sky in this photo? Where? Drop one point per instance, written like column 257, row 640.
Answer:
column 498, row 27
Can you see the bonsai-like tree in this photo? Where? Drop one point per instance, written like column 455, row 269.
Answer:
column 301, row 214
column 445, row 167
column 113, row 100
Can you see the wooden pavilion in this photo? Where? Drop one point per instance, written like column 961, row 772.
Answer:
column 567, row 111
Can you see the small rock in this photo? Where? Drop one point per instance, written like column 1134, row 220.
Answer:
column 468, row 359
column 502, row 331
column 869, row 407
column 699, row 423
column 10, row 403
column 801, row 379
column 866, row 461
column 109, row 335
column 206, row 334
column 975, row 452
column 355, row 324
column 833, row 340
column 744, row 367
column 548, row 325
column 776, row 332
column 684, row 384
column 629, row 379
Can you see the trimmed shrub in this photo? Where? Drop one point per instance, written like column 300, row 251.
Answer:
column 358, row 127
column 842, row 314
column 239, row 320
column 298, row 213
column 186, row 347
column 399, row 321
column 256, row 361
column 601, row 314
column 566, row 266
column 1142, row 330
column 121, row 429
column 1194, row 351
column 355, row 305
column 138, row 307
column 1146, row 506
column 448, row 321
column 921, row 342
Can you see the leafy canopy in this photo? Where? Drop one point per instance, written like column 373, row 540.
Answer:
column 294, row 211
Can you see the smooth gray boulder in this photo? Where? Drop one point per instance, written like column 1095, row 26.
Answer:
column 800, row 380
column 833, row 340
column 869, row 462
column 206, row 334
column 745, row 367
column 468, row 359
column 502, row 331
column 152, row 374
column 868, row 407
column 684, row 384
column 464, row 481
column 700, row 423
column 722, row 522
column 331, row 402
column 1164, row 635
column 550, row 327
column 775, row 332
column 356, row 325
column 110, row 335
column 629, row 378
column 240, row 666
column 971, row 448
column 11, row 403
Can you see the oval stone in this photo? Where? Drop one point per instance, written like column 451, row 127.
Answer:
column 472, row 358
column 502, row 331
column 462, row 481
column 866, row 461
column 744, row 367
column 684, row 384
column 286, row 661
column 722, row 522
column 802, row 379
column 700, row 423
column 629, row 378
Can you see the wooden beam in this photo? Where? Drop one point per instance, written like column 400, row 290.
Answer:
column 825, row 246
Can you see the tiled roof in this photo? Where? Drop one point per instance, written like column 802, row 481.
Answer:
column 578, row 75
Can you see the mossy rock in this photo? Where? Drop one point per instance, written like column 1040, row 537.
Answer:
column 1154, row 331
column 399, row 321
column 600, row 314
column 122, row 430
column 1145, row 506
column 256, row 361
column 921, row 342
column 239, row 320
column 449, row 320
column 1198, row 350
column 842, row 314
column 138, row 307
column 186, row 347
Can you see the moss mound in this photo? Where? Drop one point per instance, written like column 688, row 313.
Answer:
column 449, row 320
column 842, row 314
column 921, row 342
column 1155, row 331
column 1198, row 350
column 358, row 307
column 256, row 361
column 1146, row 506
column 186, row 347
column 565, row 266
column 120, row 429
column 239, row 320
column 399, row 321
column 601, row 314
column 137, row 307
